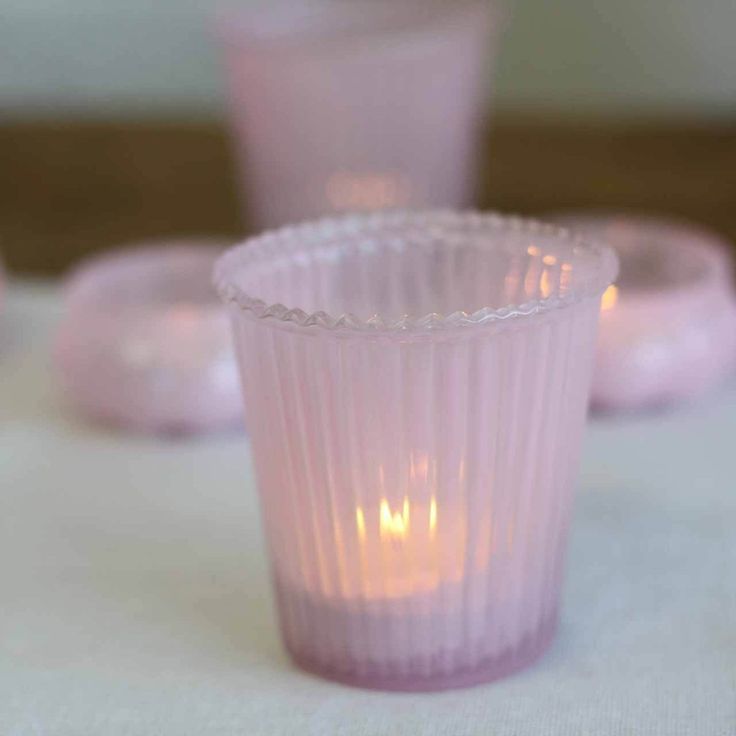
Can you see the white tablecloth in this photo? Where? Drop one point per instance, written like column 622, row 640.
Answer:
column 134, row 596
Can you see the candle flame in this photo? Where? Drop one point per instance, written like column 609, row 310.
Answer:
column 549, row 260
column 532, row 250
column 394, row 524
column 360, row 523
column 610, row 297
column 545, row 285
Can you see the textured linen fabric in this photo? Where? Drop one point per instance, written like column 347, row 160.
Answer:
column 134, row 596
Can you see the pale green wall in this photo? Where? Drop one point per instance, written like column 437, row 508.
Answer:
column 612, row 57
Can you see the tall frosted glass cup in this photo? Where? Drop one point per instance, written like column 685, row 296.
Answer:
column 343, row 106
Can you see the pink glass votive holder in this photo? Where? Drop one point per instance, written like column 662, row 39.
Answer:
column 416, row 387
column 668, row 327
column 350, row 106
column 145, row 344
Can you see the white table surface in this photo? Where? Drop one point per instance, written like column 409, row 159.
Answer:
column 134, row 596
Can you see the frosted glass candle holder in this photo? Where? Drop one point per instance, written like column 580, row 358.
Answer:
column 416, row 388
column 668, row 327
column 342, row 106
column 145, row 343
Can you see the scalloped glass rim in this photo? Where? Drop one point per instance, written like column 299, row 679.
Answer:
column 310, row 234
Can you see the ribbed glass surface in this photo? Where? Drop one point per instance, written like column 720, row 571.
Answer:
column 416, row 481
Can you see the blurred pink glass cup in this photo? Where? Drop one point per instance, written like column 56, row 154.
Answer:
column 668, row 327
column 416, row 387
column 144, row 342
column 346, row 106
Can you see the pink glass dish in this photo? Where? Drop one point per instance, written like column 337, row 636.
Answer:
column 416, row 387
column 668, row 330
column 145, row 344
column 350, row 106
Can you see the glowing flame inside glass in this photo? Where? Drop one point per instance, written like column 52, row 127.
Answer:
column 402, row 548
column 395, row 525
column 610, row 297
column 545, row 284
column 367, row 191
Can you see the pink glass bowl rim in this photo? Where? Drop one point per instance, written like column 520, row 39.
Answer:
column 292, row 240
column 84, row 288
column 705, row 252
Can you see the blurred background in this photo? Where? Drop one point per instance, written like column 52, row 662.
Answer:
column 113, row 126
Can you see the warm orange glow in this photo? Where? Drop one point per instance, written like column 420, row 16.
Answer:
column 549, row 260
column 360, row 522
column 395, row 525
column 545, row 284
column 610, row 297
column 399, row 549
column 532, row 250
column 362, row 191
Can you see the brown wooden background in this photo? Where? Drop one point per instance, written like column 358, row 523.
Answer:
column 70, row 188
